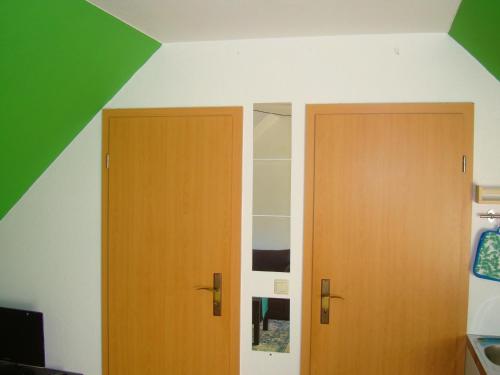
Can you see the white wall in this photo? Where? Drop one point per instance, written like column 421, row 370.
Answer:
column 50, row 250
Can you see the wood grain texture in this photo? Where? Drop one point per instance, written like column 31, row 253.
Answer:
column 104, row 243
column 172, row 204
column 388, row 222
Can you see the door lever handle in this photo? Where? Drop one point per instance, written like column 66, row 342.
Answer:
column 336, row 297
column 325, row 301
column 216, row 293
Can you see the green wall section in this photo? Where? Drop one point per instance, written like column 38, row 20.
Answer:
column 477, row 28
column 61, row 62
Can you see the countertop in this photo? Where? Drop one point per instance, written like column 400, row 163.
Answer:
column 476, row 345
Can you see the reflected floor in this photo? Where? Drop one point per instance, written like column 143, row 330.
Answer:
column 276, row 338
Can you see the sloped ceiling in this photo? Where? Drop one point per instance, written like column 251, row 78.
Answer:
column 477, row 28
column 61, row 61
column 196, row 20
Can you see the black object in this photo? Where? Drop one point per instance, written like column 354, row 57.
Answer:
column 279, row 309
column 271, row 260
column 21, row 337
column 9, row 368
column 256, row 319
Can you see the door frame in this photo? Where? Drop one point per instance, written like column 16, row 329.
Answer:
column 236, row 113
column 312, row 110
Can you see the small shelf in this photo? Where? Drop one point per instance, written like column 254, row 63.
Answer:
column 271, row 215
column 487, row 195
column 272, row 159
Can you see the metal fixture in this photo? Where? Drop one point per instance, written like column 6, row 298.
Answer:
column 216, row 293
column 493, row 353
column 491, row 215
column 325, row 301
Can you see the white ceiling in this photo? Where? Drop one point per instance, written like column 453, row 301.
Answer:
column 196, row 20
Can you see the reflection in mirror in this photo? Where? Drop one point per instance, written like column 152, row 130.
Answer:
column 271, row 187
column 272, row 131
column 271, row 244
column 271, row 324
column 271, row 191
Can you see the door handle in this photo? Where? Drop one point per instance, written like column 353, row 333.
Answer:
column 325, row 301
column 216, row 293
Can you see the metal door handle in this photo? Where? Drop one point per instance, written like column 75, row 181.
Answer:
column 216, row 293
column 325, row 301
column 336, row 297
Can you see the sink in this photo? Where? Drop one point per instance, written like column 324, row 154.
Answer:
column 493, row 353
column 487, row 352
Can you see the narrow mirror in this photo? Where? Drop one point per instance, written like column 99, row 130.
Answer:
column 272, row 129
column 271, row 324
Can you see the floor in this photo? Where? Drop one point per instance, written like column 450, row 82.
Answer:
column 276, row 338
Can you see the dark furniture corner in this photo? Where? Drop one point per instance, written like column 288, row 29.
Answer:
column 10, row 368
column 279, row 309
column 271, row 260
column 257, row 317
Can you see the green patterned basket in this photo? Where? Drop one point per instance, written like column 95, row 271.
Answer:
column 487, row 262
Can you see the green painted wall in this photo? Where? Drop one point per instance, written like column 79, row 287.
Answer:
column 60, row 62
column 477, row 28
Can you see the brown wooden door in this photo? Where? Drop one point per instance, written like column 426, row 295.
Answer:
column 171, row 219
column 387, row 222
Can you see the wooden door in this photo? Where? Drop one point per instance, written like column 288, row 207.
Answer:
column 388, row 209
column 171, row 219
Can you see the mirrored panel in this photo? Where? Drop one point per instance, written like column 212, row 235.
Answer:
column 271, row 233
column 272, row 131
column 271, row 244
column 271, row 190
column 272, row 187
column 271, row 324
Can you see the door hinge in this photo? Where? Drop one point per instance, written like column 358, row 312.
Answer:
column 107, row 161
column 464, row 163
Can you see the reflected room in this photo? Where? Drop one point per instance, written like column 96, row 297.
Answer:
column 271, row 187
column 271, row 324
